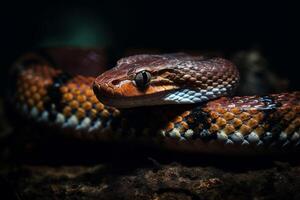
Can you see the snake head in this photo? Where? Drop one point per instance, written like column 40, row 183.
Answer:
column 145, row 80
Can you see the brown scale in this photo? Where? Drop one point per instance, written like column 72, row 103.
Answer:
column 213, row 73
column 32, row 86
column 246, row 114
column 78, row 97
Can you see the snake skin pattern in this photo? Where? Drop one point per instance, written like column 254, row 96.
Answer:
column 248, row 124
column 175, row 79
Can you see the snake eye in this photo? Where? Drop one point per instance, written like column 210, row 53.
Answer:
column 142, row 79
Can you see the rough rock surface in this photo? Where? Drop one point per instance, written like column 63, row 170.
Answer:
column 60, row 171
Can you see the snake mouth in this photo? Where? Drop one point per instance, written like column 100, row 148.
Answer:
column 120, row 101
column 166, row 97
column 125, row 94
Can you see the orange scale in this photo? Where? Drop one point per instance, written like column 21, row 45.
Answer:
column 87, row 105
column 80, row 113
column 76, row 91
column 71, row 86
column 89, row 92
column 236, row 110
column 244, row 129
column 185, row 114
column 37, row 97
column 259, row 130
column 42, row 92
column 177, row 119
column 214, row 115
column 89, row 79
column 67, row 111
column 94, row 99
column 259, row 116
column 252, row 123
column 81, row 98
column 170, row 126
column 244, row 116
column 64, row 89
column 93, row 113
column 214, row 128
column 99, row 106
column 74, row 104
column 184, row 125
column 221, row 122
column 80, row 78
column 68, row 97
column 229, row 129
column 40, row 84
column 253, row 111
column 83, row 87
column 105, row 114
column 47, row 82
column 33, row 88
column 221, row 110
column 228, row 116
column 237, row 122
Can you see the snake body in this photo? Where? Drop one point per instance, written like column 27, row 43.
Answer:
column 172, row 101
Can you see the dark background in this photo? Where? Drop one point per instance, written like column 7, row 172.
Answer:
column 169, row 26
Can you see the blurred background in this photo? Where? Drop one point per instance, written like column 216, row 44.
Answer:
column 124, row 28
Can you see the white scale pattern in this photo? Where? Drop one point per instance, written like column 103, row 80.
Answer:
column 71, row 122
column 195, row 96
column 87, row 125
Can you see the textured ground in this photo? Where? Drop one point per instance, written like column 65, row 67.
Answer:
column 167, row 181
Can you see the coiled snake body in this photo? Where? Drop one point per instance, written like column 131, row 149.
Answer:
column 149, row 89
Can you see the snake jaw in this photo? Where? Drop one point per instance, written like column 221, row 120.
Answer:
column 127, row 94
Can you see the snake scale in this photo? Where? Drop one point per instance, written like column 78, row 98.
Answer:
column 174, row 101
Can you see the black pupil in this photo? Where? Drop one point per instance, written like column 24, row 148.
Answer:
column 142, row 79
column 145, row 78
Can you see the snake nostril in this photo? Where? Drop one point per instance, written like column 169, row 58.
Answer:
column 115, row 82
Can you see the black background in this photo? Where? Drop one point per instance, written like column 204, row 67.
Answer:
column 168, row 25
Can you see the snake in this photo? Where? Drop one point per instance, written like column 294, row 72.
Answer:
column 176, row 102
